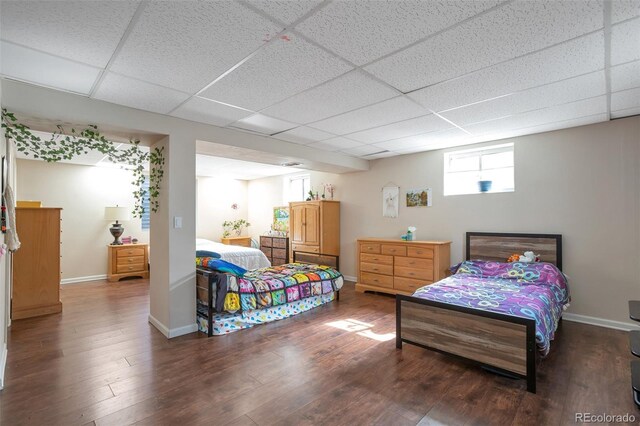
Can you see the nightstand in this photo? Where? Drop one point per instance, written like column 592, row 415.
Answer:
column 237, row 241
column 128, row 260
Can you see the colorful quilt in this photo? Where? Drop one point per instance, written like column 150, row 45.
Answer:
column 277, row 285
column 529, row 290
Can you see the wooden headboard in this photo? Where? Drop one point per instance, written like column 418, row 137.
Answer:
column 499, row 246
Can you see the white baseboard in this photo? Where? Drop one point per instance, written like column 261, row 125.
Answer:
column 350, row 278
column 3, row 364
column 160, row 326
column 601, row 322
column 83, row 279
column 174, row 332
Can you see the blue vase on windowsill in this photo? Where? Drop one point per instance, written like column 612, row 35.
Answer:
column 484, row 185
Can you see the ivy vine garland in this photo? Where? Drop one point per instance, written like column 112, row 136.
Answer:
column 66, row 146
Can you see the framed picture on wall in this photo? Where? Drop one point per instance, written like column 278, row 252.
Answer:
column 281, row 219
column 419, row 197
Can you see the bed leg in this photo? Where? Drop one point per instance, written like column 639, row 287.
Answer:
column 531, row 384
column 398, row 324
column 338, row 295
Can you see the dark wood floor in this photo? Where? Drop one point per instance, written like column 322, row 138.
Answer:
column 100, row 361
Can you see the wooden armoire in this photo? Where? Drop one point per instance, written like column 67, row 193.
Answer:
column 36, row 265
column 314, row 232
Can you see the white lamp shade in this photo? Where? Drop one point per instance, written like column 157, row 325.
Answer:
column 116, row 213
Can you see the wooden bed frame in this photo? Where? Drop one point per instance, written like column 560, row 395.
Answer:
column 500, row 342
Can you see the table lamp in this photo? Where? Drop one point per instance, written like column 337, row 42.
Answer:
column 118, row 214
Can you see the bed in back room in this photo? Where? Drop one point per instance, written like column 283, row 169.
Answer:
column 246, row 257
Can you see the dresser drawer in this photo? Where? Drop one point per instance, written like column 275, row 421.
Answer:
column 306, row 248
column 419, row 274
column 131, row 260
column 376, row 279
column 129, row 251
column 370, row 248
column 266, row 241
column 425, row 252
column 278, row 261
column 136, row 267
column 377, row 268
column 394, row 250
column 279, row 252
column 279, row 243
column 376, row 258
column 414, row 262
column 266, row 251
column 409, row 285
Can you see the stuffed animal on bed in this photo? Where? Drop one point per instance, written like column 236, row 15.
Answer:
column 528, row 257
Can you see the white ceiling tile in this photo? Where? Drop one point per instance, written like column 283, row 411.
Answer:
column 303, row 135
column 625, row 112
column 186, row 45
column 263, row 124
column 625, row 99
column 625, row 76
column 138, row 94
column 582, row 121
column 408, row 143
column 580, row 56
column 361, row 31
column 389, row 111
column 516, row 29
column 207, row 111
column 625, row 42
column 414, row 126
column 562, row 92
column 46, row 70
column 336, row 144
column 230, row 168
column 85, row 31
column 362, row 151
column 574, row 110
column 621, row 10
column 285, row 11
column 385, row 154
column 349, row 91
column 279, row 70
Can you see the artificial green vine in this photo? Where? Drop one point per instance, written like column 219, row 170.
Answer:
column 65, row 146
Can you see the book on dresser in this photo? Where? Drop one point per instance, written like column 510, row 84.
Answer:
column 396, row 266
column 275, row 248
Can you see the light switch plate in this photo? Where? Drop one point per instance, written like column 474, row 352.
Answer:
column 177, row 222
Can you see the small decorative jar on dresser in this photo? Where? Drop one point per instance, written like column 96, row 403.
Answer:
column 275, row 248
column 395, row 266
column 128, row 260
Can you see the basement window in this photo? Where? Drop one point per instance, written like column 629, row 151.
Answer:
column 474, row 171
column 299, row 187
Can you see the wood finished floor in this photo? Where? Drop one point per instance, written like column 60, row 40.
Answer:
column 100, row 362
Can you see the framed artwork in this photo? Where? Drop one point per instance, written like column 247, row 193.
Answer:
column 281, row 219
column 390, row 195
column 419, row 197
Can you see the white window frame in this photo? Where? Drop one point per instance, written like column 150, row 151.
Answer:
column 303, row 196
column 476, row 152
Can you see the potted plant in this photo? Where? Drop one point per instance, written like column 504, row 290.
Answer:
column 235, row 226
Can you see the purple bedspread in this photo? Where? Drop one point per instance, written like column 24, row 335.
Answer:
column 529, row 290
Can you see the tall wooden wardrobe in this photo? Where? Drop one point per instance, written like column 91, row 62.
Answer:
column 36, row 265
column 314, row 231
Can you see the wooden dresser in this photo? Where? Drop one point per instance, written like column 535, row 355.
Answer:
column 275, row 248
column 36, row 265
column 128, row 260
column 237, row 241
column 314, row 230
column 396, row 266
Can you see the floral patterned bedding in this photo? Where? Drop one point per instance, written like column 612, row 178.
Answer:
column 277, row 285
column 530, row 290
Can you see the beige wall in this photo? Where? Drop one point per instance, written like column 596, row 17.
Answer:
column 83, row 192
column 215, row 197
column 583, row 183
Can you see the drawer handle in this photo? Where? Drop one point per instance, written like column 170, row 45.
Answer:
column 130, row 260
column 130, row 267
column 375, row 280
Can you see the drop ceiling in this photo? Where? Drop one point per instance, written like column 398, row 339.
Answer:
column 369, row 79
